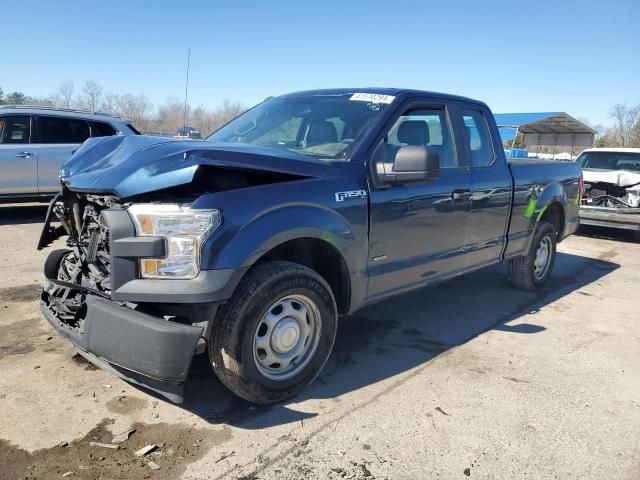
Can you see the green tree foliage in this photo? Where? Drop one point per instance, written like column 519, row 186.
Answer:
column 15, row 98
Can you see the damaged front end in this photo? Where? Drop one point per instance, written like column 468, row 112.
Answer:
column 83, row 268
column 94, row 295
column 611, row 199
column 130, row 290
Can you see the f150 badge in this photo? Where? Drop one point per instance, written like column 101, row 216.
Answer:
column 342, row 196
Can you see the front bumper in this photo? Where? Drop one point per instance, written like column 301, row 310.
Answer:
column 139, row 344
column 624, row 218
column 137, row 347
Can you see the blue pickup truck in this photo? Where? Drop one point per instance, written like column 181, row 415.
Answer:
column 249, row 245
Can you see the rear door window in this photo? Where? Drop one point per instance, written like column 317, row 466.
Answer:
column 100, row 129
column 480, row 146
column 63, row 130
column 15, row 129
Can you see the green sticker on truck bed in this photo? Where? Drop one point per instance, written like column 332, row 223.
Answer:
column 530, row 208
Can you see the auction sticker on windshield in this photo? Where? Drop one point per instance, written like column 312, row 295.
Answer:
column 372, row 97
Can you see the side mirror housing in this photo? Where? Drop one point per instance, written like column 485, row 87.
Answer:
column 412, row 163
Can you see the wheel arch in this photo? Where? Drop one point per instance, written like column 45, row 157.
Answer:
column 316, row 237
column 554, row 214
column 322, row 257
column 550, row 205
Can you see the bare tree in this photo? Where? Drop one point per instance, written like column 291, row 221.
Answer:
column 135, row 107
column 170, row 116
column 626, row 119
column 64, row 97
column 91, row 95
column 228, row 111
column 203, row 119
column 207, row 120
column 47, row 101
column 633, row 120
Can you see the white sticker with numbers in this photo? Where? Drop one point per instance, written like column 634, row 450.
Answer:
column 372, row 97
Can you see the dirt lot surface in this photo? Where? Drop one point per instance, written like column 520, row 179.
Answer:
column 469, row 379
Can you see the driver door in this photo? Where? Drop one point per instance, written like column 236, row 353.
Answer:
column 418, row 230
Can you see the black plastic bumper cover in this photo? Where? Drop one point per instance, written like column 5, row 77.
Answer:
column 145, row 350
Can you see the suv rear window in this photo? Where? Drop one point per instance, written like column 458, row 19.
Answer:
column 15, row 129
column 63, row 130
column 99, row 129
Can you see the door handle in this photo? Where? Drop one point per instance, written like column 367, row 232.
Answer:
column 24, row 154
column 460, row 194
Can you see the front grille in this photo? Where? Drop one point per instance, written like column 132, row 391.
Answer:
column 87, row 265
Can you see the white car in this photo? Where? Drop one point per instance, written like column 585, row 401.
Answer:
column 612, row 187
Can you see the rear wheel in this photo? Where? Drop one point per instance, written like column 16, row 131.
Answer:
column 273, row 337
column 531, row 271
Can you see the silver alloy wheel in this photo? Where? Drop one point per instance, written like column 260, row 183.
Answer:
column 542, row 260
column 286, row 337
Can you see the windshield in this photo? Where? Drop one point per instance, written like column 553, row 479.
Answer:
column 322, row 125
column 611, row 161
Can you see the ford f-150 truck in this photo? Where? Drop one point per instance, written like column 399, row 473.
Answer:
column 249, row 245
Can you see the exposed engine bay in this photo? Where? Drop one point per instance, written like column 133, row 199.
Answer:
column 85, row 266
column 611, row 189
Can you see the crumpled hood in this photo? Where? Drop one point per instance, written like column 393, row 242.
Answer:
column 621, row 178
column 132, row 165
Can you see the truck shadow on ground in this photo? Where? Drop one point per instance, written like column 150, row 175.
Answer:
column 22, row 214
column 604, row 233
column 392, row 337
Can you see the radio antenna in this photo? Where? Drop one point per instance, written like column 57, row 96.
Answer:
column 186, row 92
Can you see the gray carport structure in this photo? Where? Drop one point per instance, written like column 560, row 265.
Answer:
column 545, row 128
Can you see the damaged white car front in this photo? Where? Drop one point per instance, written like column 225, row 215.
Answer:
column 611, row 187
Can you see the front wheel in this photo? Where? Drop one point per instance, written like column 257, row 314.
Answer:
column 531, row 271
column 273, row 337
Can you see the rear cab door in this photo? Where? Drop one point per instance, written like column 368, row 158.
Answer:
column 418, row 230
column 18, row 156
column 58, row 137
column 491, row 186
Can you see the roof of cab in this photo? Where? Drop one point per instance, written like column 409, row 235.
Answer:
column 396, row 92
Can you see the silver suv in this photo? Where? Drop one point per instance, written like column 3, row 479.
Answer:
column 36, row 141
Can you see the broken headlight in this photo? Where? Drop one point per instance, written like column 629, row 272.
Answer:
column 184, row 230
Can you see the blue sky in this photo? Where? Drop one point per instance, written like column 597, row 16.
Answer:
column 578, row 57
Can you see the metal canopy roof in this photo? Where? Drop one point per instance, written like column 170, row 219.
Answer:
column 545, row 128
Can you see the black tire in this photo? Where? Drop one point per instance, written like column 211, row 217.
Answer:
column 52, row 263
column 232, row 337
column 522, row 269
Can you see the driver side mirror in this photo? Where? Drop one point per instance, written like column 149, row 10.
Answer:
column 412, row 163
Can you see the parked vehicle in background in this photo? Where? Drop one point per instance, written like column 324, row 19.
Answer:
column 190, row 133
column 612, row 187
column 35, row 141
column 310, row 205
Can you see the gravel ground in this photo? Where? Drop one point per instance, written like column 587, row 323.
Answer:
column 467, row 379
